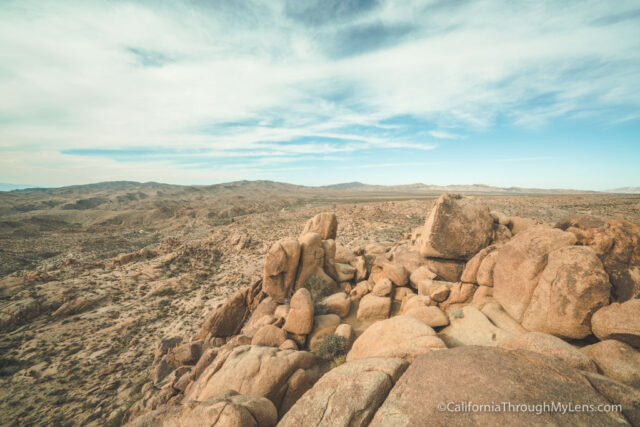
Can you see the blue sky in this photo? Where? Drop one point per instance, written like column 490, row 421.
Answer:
column 533, row 94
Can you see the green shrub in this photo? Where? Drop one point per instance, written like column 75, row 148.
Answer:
column 455, row 313
column 318, row 287
column 332, row 346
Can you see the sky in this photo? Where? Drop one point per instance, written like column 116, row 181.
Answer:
column 542, row 94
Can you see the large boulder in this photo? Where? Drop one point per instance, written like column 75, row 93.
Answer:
column 618, row 321
column 447, row 269
column 616, row 360
column 617, row 244
column 281, row 376
column 373, row 307
column 471, row 327
column 280, row 269
column 225, row 409
column 549, row 285
column 338, row 303
column 401, row 336
column 436, row 387
column 551, row 346
column 408, row 257
column 325, row 224
column 347, row 395
column 456, row 228
column 227, row 320
column 300, row 316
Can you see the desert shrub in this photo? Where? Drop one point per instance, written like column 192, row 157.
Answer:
column 332, row 346
column 337, row 361
column 319, row 308
column 318, row 287
column 456, row 313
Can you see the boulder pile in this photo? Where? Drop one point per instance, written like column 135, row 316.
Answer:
column 473, row 306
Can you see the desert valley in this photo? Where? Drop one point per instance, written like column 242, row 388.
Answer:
column 262, row 303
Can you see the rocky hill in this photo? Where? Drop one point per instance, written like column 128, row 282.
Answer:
column 151, row 308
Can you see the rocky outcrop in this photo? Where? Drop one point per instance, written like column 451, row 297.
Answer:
column 456, row 228
column 312, row 261
column 488, row 376
column 549, row 285
column 226, row 409
column 617, row 244
column 259, row 371
column 325, row 224
column 618, row 321
column 280, row 269
column 348, row 395
column 401, row 336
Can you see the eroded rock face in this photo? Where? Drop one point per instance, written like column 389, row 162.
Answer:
column 553, row 347
column 549, row 285
column 485, row 375
column 449, row 270
column 257, row 371
column 347, row 395
column 226, row 409
column 401, row 336
column 617, row 244
column 280, row 269
column 325, row 224
column 618, row 321
column 456, row 228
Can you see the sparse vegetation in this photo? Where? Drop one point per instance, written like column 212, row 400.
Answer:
column 455, row 313
column 332, row 347
column 319, row 288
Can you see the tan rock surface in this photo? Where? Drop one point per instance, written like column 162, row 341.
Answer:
column 400, row 336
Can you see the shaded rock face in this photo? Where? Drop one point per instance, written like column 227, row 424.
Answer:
column 618, row 321
column 553, row 347
column 227, row 320
column 449, row 270
column 617, row 244
column 227, row 409
column 549, row 285
column 325, row 224
column 456, row 228
column 258, row 371
column 401, row 336
column 619, row 394
column 348, row 395
column 485, row 375
column 280, row 269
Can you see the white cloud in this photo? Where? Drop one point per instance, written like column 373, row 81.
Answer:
column 73, row 76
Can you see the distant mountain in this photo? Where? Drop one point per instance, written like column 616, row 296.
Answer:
column 425, row 188
column 346, row 186
column 626, row 190
column 10, row 187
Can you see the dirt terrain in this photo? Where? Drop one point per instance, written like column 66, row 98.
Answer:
column 93, row 277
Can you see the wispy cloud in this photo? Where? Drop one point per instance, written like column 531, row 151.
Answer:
column 293, row 81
